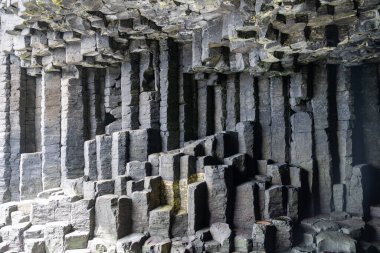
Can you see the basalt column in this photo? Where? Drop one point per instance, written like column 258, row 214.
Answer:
column 5, row 170
column 51, row 129
column 17, row 119
column 169, row 111
column 322, row 129
column 130, row 90
column 72, row 129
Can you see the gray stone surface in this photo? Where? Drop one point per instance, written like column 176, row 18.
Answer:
column 30, row 175
column 189, row 126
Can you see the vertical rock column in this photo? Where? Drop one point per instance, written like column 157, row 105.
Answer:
column 112, row 99
column 265, row 117
column 205, row 100
column 72, row 124
column 247, row 98
column 30, row 175
column 219, row 181
column 169, row 110
column 220, row 114
column 17, row 119
column 278, row 125
column 301, row 150
column 370, row 114
column 5, row 170
column 344, row 102
column 130, row 89
column 187, row 96
column 38, row 114
column 232, row 103
column 320, row 105
column 51, row 129
column 94, row 106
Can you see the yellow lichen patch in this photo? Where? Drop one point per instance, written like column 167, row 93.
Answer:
column 192, row 179
column 170, row 194
column 57, row 2
column 201, row 176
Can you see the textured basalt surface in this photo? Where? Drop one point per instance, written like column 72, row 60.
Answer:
column 189, row 126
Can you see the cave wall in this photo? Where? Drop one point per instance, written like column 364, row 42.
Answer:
column 237, row 122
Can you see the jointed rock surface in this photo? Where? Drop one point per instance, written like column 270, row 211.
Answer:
column 189, row 126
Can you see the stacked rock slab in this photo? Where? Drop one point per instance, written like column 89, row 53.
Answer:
column 189, row 126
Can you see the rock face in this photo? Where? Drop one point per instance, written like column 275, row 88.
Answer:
column 189, row 126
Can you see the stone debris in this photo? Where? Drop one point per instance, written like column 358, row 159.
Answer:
column 189, row 126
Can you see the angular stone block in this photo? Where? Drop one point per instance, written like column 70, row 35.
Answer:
column 76, row 240
column 120, row 152
column 112, row 217
column 14, row 235
column 179, row 224
column 131, row 243
column 140, row 211
column 104, row 156
column 54, row 236
column 159, row 221
column 246, row 137
column 154, row 160
column 274, row 202
column 222, row 233
column 219, row 181
column 292, row 205
column 170, row 166
column 279, row 173
column 157, row 245
column 245, row 202
column 34, row 245
column 133, row 186
column 121, row 184
column 197, row 204
column 332, row 241
column 263, row 236
column 83, row 215
column 30, row 175
column 103, row 187
column 137, row 170
column 284, row 233
column 358, row 190
column 339, row 193
column 241, row 167
column 144, row 143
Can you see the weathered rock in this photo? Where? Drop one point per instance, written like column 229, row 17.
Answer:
column 245, row 202
column 30, row 175
column 54, row 236
column 219, row 185
column 159, row 221
column 138, row 170
column 156, row 245
column 274, row 202
column 222, row 233
column 131, row 243
column 284, row 233
column 13, row 234
column 76, row 240
column 358, row 190
column 112, row 217
column 263, row 236
column 335, row 242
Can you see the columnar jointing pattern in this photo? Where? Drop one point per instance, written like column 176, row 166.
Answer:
column 189, row 126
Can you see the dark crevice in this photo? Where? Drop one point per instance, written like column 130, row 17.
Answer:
column 332, row 35
column 333, row 122
column 287, row 114
column 357, row 133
